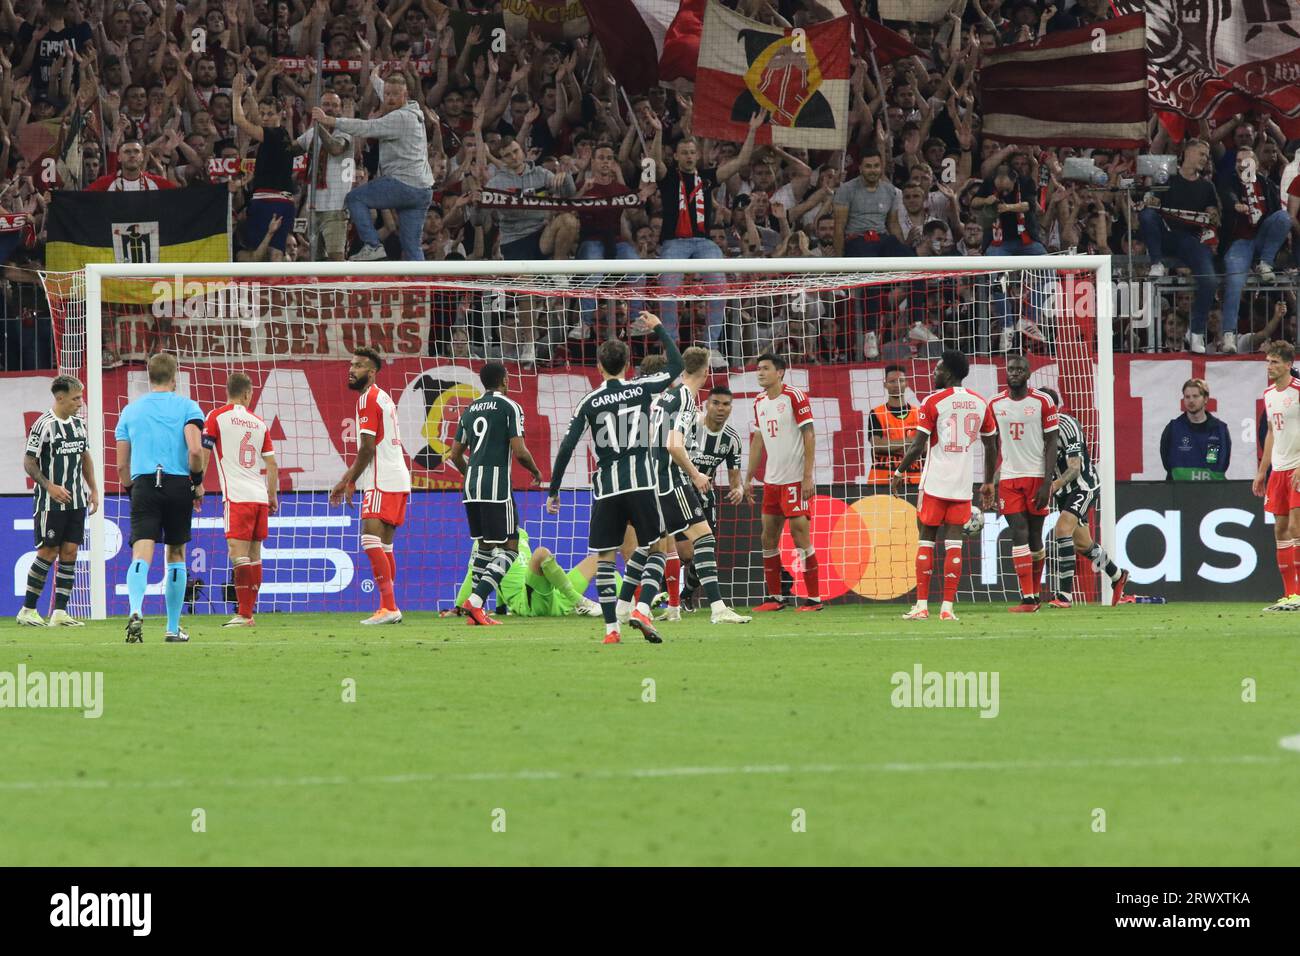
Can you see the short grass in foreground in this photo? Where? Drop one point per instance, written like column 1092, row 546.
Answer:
column 1135, row 711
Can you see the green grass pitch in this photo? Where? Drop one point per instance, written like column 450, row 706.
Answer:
column 1136, row 712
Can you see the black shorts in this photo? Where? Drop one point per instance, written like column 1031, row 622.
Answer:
column 54, row 528
column 610, row 517
column 492, row 522
column 161, row 513
column 710, row 505
column 681, row 508
column 1077, row 503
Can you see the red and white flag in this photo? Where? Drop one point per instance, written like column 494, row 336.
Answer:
column 1215, row 58
column 642, row 42
column 800, row 76
column 1084, row 87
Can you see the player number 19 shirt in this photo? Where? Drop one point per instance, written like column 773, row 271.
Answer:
column 780, row 421
column 955, row 420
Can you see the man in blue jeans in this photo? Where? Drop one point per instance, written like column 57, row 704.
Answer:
column 687, row 193
column 405, row 181
column 1254, row 223
column 1184, row 227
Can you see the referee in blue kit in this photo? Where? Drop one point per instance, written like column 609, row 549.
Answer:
column 159, row 459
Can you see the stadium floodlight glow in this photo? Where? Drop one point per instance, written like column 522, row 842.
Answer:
column 290, row 326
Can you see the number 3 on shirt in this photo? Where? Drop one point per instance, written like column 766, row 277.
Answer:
column 948, row 431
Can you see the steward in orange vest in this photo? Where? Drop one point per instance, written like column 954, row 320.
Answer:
column 892, row 431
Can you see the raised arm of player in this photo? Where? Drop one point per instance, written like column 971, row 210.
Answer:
column 671, row 352
column 755, row 459
column 365, row 455
column 576, row 427
column 525, row 458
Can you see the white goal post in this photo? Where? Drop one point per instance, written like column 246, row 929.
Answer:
column 567, row 280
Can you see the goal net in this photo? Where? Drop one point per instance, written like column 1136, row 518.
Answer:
column 839, row 323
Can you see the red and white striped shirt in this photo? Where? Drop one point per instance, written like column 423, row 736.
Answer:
column 377, row 415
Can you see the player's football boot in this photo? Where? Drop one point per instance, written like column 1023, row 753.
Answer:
column 771, row 604
column 178, row 636
column 811, row 606
column 917, row 613
column 1024, row 607
column 473, row 615
column 612, row 638
column 135, row 629
column 1059, row 602
column 725, row 615
column 30, row 617
column 1117, row 589
column 385, row 615
column 587, row 607
column 239, row 621
column 645, row 626
column 948, row 616
column 61, row 618
column 670, row 613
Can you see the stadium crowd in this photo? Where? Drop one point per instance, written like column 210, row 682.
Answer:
column 415, row 124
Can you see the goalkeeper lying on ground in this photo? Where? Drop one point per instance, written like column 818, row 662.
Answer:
column 536, row 585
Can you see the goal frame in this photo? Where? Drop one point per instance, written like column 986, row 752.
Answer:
column 96, row 273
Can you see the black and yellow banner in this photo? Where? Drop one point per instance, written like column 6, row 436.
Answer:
column 173, row 225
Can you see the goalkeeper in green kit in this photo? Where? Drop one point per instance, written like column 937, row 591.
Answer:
column 536, row 586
